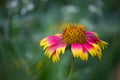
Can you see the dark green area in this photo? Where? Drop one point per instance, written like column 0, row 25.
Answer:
column 23, row 23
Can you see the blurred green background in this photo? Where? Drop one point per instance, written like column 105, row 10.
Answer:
column 23, row 23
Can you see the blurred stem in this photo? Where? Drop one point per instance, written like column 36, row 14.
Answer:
column 72, row 69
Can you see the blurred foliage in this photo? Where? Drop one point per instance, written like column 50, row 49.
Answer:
column 23, row 23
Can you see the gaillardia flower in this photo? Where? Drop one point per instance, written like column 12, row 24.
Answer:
column 79, row 41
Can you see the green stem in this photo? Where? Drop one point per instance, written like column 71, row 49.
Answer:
column 72, row 69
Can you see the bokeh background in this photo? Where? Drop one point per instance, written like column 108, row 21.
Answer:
column 23, row 23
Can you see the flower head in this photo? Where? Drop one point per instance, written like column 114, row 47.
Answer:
column 81, row 43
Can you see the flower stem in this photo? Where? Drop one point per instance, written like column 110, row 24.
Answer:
column 72, row 69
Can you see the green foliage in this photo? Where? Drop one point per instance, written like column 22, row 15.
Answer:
column 23, row 23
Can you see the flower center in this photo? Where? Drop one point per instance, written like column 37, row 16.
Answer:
column 74, row 34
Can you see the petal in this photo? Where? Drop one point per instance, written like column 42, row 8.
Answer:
column 96, row 50
column 102, row 44
column 43, row 42
column 76, row 49
column 92, row 39
column 84, row 55
column 59, row 35
column 93, row 49
column 79, row 51
column 53, row 40
column 61, row 48
column 90, row 33
column 50, row 41
column 89, row 48
column 50, row 51
column 55, row 51
column 55, row 57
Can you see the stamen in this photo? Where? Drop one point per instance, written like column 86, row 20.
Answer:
column 74, row 34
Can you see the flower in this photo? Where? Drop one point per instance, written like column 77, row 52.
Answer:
column 81, row 43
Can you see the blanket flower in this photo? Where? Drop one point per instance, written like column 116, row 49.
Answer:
column 79, row 41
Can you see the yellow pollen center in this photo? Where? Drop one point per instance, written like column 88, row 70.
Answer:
column 74, row 34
